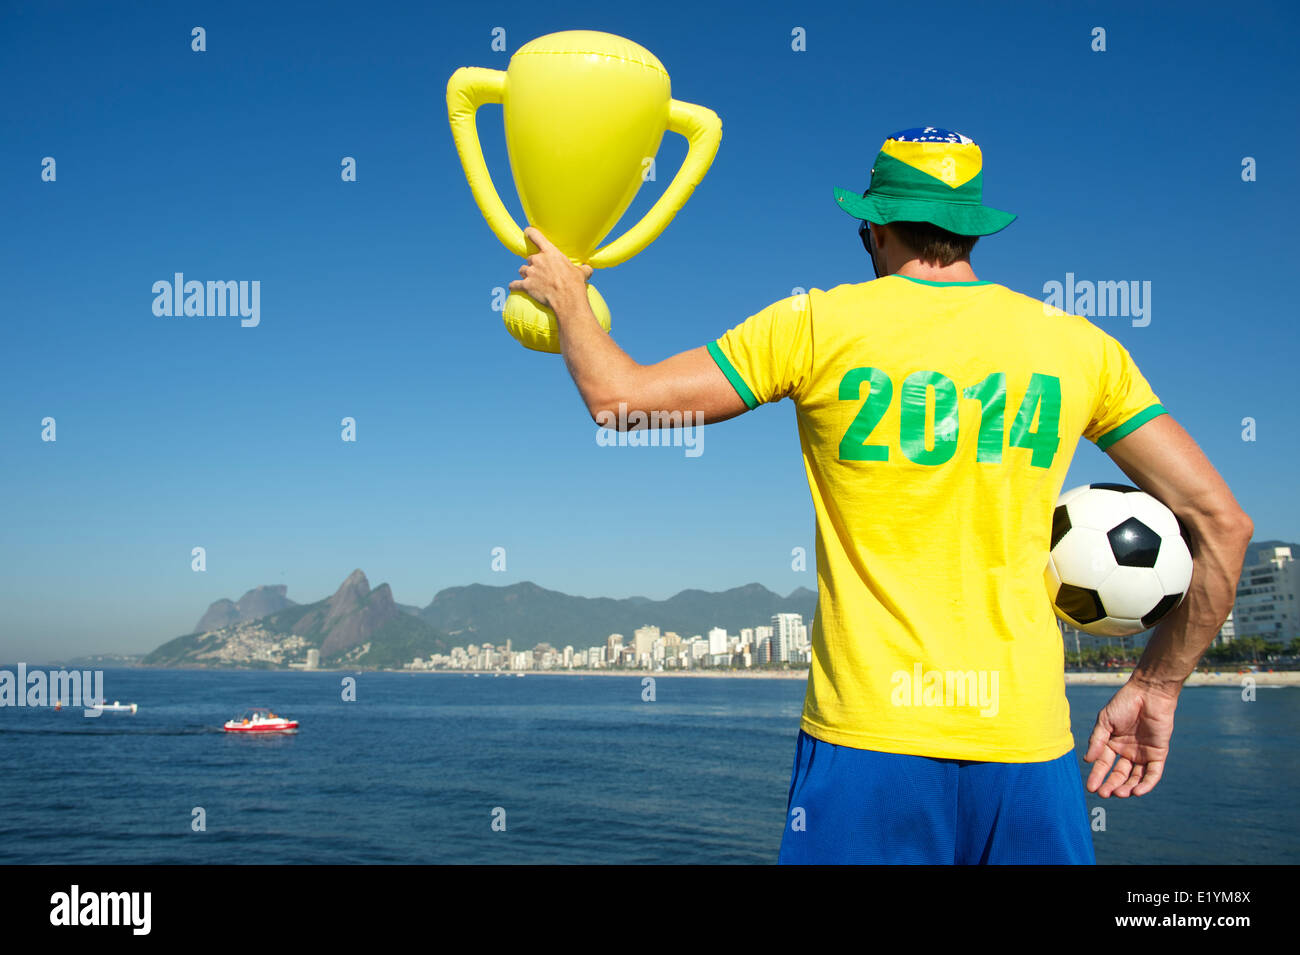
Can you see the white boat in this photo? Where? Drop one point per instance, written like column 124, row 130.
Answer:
column 116, row 707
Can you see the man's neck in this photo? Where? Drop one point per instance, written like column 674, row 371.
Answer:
column 959, row 271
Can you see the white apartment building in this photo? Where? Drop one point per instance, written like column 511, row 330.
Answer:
column 1228, row 631
column 788, row 636
column 1266, row 604
column 643, row 640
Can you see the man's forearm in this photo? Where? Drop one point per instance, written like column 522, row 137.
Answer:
column 1182, row 637
column 599, row 368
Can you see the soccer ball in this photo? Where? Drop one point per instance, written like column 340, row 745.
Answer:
column 1119, row 560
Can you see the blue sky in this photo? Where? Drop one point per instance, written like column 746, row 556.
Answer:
column 376, row 294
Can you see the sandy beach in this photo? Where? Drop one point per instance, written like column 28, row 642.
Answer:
column 1219, row 678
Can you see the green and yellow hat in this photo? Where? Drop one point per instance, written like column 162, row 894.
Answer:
column 927, row 175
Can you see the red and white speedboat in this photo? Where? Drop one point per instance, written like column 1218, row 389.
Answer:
column 261, row 720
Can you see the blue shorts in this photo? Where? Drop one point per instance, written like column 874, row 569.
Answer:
column 850, row 806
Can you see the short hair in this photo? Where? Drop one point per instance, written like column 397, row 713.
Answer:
column 933, row 244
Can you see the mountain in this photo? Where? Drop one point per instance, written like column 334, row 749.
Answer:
column 258, row 602
column 527, row 614
column 356, row 626
column 348, row 618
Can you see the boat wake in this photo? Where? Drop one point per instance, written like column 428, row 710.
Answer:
column 115, row 731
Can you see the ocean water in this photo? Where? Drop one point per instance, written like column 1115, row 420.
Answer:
column 579, row 768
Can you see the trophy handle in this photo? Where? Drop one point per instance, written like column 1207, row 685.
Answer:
column 469, row 88
column 703, row 130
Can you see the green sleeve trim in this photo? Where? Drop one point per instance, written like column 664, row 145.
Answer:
column 1129, row 426
column 733, row 376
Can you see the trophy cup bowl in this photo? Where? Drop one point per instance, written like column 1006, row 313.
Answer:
column 584, row 115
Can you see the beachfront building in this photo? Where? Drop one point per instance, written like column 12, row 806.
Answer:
column 1227, row 631
column 699, row 650
column 789, row 638
column 718, row 655
column 1267, row 605
column 643, row 640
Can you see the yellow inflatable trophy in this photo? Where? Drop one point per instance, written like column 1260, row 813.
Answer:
column 584, row 115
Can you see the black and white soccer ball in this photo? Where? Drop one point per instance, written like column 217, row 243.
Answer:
column 1119, row 560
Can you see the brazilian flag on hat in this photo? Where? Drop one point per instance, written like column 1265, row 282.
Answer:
column 927, row 175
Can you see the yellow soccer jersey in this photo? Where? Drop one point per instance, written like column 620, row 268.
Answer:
column 937, row 422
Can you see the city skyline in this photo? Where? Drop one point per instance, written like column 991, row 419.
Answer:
column 786, row 641
column 1271, row 575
